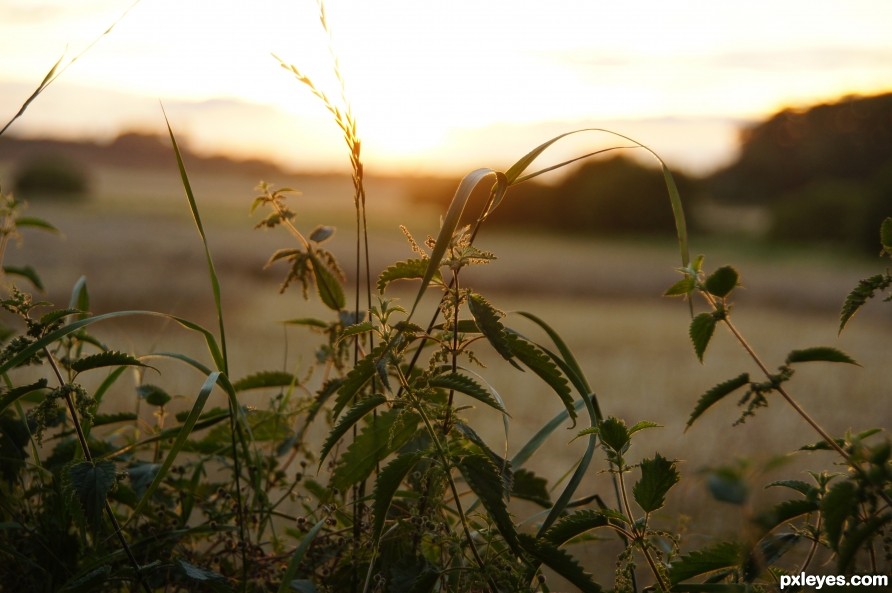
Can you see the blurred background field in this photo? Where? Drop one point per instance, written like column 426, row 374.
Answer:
column 133, row 238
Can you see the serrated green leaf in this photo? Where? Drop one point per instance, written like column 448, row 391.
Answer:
column 468, row 386
column 799, row 486
column 390, row 431
column 702, row 327
column 489, row 323
column 347, row 421
column 386, row 486
column 411, row 269
column 717, row 393
column 265, row 379
column 865, row 290
column 361, row 373
column 721, row 282
column 570, row 526
column 683, row 287
column 484, row 478
column 614, row 434
column 109, row 358
column 642, row 425
column 528, row 486
column 559, row 561
column 838, row 506
column 717, row 557
column 356, row 329
column 541, row 364
column 658, row 476
column 27, row 272
column 329, row 287
column 10, row 397
column 787, row 511
column 53, row 316
column 91, row 483
column 154, row 395
column 821, row 354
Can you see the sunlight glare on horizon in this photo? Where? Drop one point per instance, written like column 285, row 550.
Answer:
column 420, row 75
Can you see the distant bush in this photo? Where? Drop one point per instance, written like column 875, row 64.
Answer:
column 51, row 176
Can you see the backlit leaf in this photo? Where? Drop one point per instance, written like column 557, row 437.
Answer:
column 468, row 386
column 485, row 480
column 109, row 358
column 541, row 364
column 347, row 421
column 658, row 476
column 329, row 287
column 412, row 269
column 717, row 557
column 489, row 322
column 717, row 393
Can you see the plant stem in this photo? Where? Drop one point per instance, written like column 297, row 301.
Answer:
column 89, row 457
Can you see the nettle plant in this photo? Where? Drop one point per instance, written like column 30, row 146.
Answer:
column 402, row 493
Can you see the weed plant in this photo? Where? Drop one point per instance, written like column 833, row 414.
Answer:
column 402, row 494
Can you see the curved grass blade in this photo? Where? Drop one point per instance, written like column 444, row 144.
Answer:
column 212, row 272
column 298, row 556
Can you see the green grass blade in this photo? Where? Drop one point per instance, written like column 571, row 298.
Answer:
column 298, row 556
column 212, row 272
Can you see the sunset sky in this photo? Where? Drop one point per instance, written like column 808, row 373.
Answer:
column 443, row 86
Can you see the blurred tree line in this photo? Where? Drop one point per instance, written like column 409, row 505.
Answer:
column 823, row 175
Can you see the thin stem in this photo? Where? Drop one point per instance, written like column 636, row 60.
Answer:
column 638, row 535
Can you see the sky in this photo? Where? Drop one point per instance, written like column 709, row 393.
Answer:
column 437, row 86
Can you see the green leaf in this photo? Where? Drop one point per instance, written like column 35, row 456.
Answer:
column 683, row 287
column 658, row 476
column 386, row 486
column 16, row 393
column 307, row 321
column 27, row 272
column 361, row 373
column 411, row 269
column 865, row 290
column 329, row 287
column 717, row 557
column 265, row 379
column 489, row 323
column 570, row 526
column 614, row 434
column 154, row 395
column 468, row 386
column 702, row 327
column 717, row 393
column 838, row 506
column 91, row 483
column 347, row 421
column 885, row 234
column 541, row 364
column 80, row 297
column 559, row 561
column 194, row 573
column 109, row 358
column 378, row 439
column 819, row 353
column 799, row 486
column 528, row 486
column 787, row 511
column 859, row 539
column 485, row 480
column 721, row 282
column 35, row 223
column 642, row 425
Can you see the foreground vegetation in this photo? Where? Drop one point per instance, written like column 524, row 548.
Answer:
column 401, row 492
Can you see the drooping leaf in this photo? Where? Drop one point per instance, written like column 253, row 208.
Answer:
column 297, row 557
column 658, row 476
column 721, row 282
column 411, row 269
column 386, row 486
column 489, row 323
column 35, row 223
column 541, row 364
column 27, row 272
column 484, row 478
column 347, row 421
column 559, row 561
column 717, row 393
column 264, row 379
column 80, row 296
column 503, row 465
column 361, row 373
column 10, row 397
column 838, row 506
column 468, row 386
column 701, row 330
column 715, row 558
column 327, row 284
column 865, row 290
column 819, row 353
column 573, row 525
column 91, row 483
column 378, row 439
